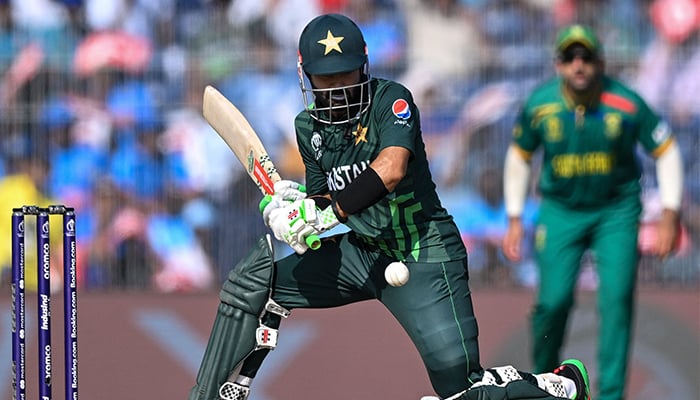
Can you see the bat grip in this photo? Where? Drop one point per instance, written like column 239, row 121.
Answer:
column 313, row 241
column 264, row 202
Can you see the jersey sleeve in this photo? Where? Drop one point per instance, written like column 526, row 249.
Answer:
column 654, row 133
column 396, row 116
column 525, row 135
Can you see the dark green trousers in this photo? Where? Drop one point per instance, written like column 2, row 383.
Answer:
column 563, row 235
column 434, row 307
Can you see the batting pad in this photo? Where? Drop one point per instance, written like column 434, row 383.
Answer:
column 243, row 297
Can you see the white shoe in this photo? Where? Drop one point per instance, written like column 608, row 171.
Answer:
column 233, row 391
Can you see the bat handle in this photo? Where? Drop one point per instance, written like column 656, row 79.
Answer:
column 313, row 241
column 264, row 202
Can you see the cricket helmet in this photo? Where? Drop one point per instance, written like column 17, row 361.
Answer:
column 333, row 44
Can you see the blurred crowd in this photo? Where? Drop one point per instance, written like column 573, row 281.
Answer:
column 100, row 109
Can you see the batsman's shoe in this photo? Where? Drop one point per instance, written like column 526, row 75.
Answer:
column 576, row 371
column 233, row 391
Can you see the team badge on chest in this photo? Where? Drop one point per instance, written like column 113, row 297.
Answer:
column 613, row 125
column 360, row 134
column 553, row 130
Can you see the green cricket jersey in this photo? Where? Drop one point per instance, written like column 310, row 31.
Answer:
column 409, row 223
column 589, row 152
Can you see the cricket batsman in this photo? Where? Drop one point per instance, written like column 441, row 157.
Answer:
column 366, row 167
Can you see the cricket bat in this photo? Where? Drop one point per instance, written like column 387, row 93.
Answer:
column 235, row 130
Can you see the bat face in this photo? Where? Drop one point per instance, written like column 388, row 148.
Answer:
column 241, row 138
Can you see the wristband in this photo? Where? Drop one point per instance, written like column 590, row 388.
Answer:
column 363, row 192
column 334, row 206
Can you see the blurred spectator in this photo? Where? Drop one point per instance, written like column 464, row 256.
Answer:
column 137, row 165
column 444, row 39
column 136, row 17
column 118, row 255
column 142, row 180
column 208, row 166
column 667, row 76
column 49, row 24
column 23, row 185
column 8, row 41
column 39, row 15
column 439, row 103
column 283, row 19
column 475, row 196
column 75, row 165
column 238, row 217
column 171, row 62
column 107, row 96
column 446, row 52
column 481, row 217
column 208, row 170
column 476, row 135
column 214, row 44
column 385, row 34
column 181, row 263
column 267, row 94
column 513, row 29
column 24, row 67
column 134, row 247
column 117, row 50
column 131, row 103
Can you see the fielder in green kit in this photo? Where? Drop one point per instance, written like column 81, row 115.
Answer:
column 366, row 167
column 589, row 126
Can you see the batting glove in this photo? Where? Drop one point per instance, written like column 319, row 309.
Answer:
column 285, row 192
column 299, row 224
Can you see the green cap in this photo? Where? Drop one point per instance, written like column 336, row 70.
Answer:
column 331, row 44
column 580, row 34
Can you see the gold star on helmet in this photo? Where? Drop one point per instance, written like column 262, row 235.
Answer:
column 331, row 42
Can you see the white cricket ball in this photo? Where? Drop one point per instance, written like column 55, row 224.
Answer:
column 396, row 274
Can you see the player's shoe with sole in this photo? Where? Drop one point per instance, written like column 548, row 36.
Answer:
column 576, row 371
column 233, row 391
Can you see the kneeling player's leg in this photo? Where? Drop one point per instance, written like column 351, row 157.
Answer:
column 328, row 277
column 238, row 329
column 435, row 309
